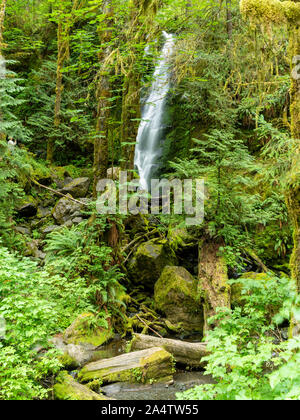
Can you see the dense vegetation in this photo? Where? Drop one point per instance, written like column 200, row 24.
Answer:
column 73, row 75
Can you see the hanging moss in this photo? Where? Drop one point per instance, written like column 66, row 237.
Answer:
column 271, row 11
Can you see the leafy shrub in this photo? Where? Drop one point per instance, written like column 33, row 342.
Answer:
column 35, row 305
column 246, row 359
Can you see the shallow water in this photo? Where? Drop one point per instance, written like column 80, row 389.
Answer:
column 134, row 392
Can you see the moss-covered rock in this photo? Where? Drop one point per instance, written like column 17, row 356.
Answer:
column 67, row 388
column 77, row 188
column 175, row 294
column 145, row 366
column 149, row 261
column 84, row 330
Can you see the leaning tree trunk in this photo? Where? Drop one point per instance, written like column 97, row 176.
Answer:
column 2, row 16
column 213, row 280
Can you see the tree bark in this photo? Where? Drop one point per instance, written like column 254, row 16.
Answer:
column 213, row 280
column 229, row 19
column 186, row 353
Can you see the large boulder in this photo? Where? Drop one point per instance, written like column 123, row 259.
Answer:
column 77, row 188
column 84, row 330
column 149, row 261
column 75, row 355
column 145, row 366
column 66, row 209
column 175, row 295
column 67, row 388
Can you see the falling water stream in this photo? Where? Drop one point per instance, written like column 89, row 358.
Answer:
column 148, row 149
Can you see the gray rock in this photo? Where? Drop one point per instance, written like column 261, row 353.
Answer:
column 65, row 210
column 22, row 230
column 43, row 212
column 77, row 188
column 49, row 229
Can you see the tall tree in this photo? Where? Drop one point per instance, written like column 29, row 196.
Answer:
column 64, row 15
column 278, row 13
column 103, row 95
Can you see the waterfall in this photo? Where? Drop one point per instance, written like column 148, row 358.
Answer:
column 150, row 134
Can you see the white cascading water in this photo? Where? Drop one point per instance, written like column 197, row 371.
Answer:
column 148, row 148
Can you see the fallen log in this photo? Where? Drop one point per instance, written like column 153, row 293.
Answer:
column 183, row 352
column 146, row 366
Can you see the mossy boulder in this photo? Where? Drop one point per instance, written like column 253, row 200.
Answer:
column 175, row 295
column 84, row 330
column 77, row 187
column 145, row 366
column 149, row 261
column 67, row 388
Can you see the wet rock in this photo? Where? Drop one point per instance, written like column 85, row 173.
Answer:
column 144, row 366
column 84, row 330
column 67, row 388
column 149, row 261
column 77, row 188
column 175, row 294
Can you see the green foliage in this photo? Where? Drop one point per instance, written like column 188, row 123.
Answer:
column 34, row 305
column 10, row 89
column 247, row 360
column 78, row 251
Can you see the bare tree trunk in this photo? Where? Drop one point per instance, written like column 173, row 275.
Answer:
column 65, row 21
column 186, row 353
column 229, row 18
